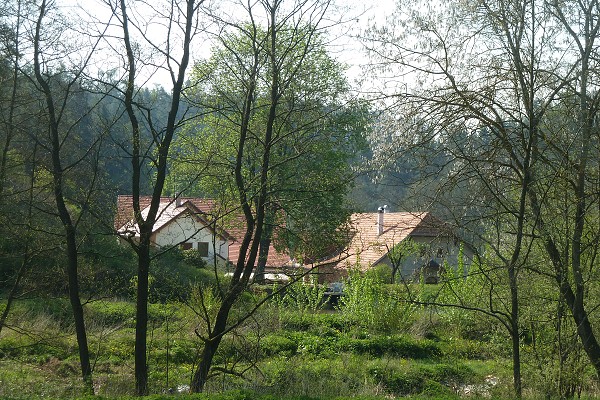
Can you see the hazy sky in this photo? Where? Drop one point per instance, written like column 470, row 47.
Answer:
column 344, row 47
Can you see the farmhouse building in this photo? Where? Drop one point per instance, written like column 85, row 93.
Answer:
column 197, row 223
column 191, row 223
column 374, row 235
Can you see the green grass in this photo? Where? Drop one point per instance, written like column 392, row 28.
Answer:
column 298, row 355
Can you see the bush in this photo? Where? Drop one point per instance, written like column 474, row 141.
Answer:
column 172, row 278
column 371, row 304
column 403, row 383
column 193, row 258
column 399, row 346
column 279, row 345
column 112, row 313
column 426, row 379
column 26, row 349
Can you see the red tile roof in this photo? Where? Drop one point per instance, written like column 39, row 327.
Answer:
column 368, row 245
column 232, row 226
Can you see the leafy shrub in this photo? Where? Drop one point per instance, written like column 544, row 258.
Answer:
column 27, row 349
column 173, row 278
column 192, row 257
column 296, row 321
column 304, row 297
column 370, row 303
column 318, row 378
column 428, row 379
column 56, row 309
column 183, row 352
column 111, row 312
column 120, row 348
column 402, row 383
column 399, row 346
column 279, row 345
column 449, row 374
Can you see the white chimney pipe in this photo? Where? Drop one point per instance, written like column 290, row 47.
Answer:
column 380, row 212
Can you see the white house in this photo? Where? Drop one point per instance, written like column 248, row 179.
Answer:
column 193, row 223
column 180, row 222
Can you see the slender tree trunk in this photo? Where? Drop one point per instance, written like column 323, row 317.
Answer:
column 63, row 213
column 10, row 129
column 515, row 332
column 575, row 303
column 162, row 145
column 26, row 256
column 265, row 244
column 14, row 289
column 141, row 321
column 584, row 327
column 80, row 330
column 212, row 343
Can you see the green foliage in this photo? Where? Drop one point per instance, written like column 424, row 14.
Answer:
column 34, row 350
column 112, row 312
column 306, row 353
column 367, row 302
column 304, row 297
column 468, row 288
column 396, row 345
column 193, row 258
column 172, row 277
column 279, row 345
column 328, row 343
column 428, row 379
column 316, row 134
column 400, row 252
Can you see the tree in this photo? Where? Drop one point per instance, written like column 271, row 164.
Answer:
column 261, row 94
column 65, row 152
column 150, row 142
column 487, row 74
column 9, row 72
column 514, row 105
column 399, row 253
column 317, row 136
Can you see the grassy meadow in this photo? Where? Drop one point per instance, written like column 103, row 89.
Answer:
column 372, row 345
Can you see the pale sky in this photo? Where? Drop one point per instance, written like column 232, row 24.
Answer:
column 345, row 48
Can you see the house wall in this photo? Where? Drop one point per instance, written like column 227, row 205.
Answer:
column 188, row 229
column 443, row 250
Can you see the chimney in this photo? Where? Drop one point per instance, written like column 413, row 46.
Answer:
column 380, row 212
column 178, row 202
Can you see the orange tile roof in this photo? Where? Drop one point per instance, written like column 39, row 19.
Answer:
column 232, row 228
column 368, row 245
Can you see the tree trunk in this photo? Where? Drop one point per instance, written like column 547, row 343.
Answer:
column 84, row 354
column 265, row 244
column 13, row 291
column 141, row 317
column 212, row 343
column 584, row 327
column 70, row 230
column 515, row 332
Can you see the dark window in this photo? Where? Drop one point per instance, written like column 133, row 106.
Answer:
column 186, row 246
column 203, row 249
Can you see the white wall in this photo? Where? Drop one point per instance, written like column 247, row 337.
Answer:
column 442, row 250
column 187, row 228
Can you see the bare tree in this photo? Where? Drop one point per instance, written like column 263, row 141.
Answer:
column 477, row 82
column 55, row 72
column 177, row 24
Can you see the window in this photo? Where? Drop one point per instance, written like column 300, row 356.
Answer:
column 186, row 246
column 203, row 249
